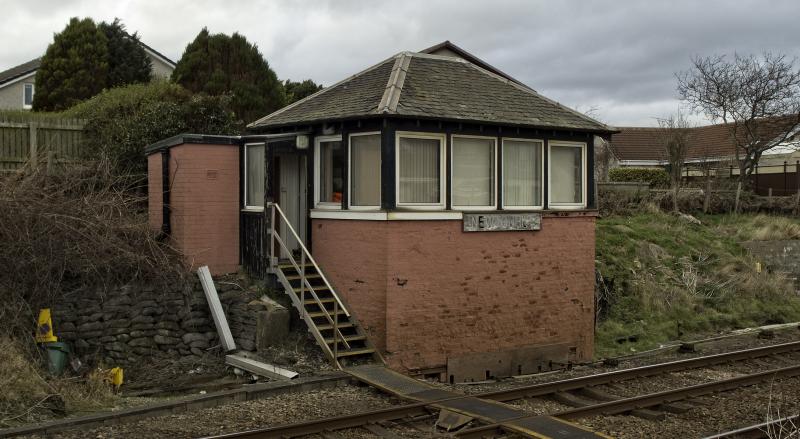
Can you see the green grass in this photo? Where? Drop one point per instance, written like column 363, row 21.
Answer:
column 667, row 279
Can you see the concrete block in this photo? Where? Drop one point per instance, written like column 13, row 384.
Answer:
column 272, row 322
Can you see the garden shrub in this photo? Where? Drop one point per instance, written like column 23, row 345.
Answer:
column 657, row 177
column 122, row 121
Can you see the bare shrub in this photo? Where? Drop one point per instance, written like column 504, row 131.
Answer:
column 78, row 228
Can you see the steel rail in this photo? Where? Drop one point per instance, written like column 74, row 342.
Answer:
column 762, row 430
column 401, row 411
column 645, row 401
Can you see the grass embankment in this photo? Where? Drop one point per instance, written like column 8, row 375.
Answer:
column 668, row 279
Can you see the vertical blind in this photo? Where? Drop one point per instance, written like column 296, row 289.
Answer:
column 566, row 174
column 365, row 170
column 473, row 172
column 522, row 173
column 255, row 175
column 419, row 171
column 331, row 160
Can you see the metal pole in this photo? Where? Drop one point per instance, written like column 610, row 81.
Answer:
column 272, row 237
column 335, row 331
column 303, row 283
column 785, row 179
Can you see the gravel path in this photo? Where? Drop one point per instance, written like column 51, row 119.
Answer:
column 281, row 409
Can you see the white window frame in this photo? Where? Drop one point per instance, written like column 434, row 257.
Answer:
column 33, row 91
column 567, row 206
column 541, row 173
column 317, row 149
column 244, row 185
column 442, row 138
column 350, row 172
column 495, row 165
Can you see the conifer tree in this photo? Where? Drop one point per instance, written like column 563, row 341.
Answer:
column 127, row 61
column 74, row 67
column 220, row 64
column 299, row 90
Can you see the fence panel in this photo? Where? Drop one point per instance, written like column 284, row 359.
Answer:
column 35, row 138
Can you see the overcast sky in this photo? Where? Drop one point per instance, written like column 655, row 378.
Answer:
column 618, row 57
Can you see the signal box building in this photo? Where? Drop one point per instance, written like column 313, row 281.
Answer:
column 429, row 211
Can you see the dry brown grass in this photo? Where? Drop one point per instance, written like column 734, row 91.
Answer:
column 79, row 228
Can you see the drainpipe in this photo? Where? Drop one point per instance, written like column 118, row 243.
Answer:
column 165, row 220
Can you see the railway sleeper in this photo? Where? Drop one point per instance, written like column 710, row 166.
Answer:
column 576, row 401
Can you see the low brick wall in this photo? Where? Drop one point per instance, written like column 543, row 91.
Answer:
column 133, row 322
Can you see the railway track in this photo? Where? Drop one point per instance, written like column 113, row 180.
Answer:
column 373, row 419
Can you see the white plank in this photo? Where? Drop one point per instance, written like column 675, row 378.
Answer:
column 217, row 313
column 259, row 368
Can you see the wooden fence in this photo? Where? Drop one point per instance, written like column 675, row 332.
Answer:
column 32, row 138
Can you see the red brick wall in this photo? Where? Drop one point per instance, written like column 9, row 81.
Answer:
column 204, row 198
column 447, row 292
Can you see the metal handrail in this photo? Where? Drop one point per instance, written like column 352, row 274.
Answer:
column 304, row 283
column 307, row 255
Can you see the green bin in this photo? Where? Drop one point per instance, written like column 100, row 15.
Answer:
column 57, row 353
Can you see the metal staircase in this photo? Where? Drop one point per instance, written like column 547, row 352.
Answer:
column 328, row 319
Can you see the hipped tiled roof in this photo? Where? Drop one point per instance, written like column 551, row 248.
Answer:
column 432, row 86
column 711, row 142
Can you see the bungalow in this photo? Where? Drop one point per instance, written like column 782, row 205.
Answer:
column 18, row 84
column 429, row 211
column 713, row 147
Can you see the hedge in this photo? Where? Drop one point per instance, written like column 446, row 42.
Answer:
column 657, row 177
column 122, row 121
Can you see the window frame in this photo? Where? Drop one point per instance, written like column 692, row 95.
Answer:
column 567, row 206
column 541, row 173
column 350, row 171
column 244, row 183
column 495, row 173
column 442, row 138
column 317, row 153
column 33, row 91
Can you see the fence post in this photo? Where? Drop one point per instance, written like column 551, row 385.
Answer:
column 785, row 179
column 33, row 154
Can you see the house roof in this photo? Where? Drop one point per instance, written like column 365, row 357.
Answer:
column 422, row 85
column 8, row 76
column 710, row 142
column 19, row 71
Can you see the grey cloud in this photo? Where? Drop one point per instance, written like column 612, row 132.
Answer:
column 618, row 56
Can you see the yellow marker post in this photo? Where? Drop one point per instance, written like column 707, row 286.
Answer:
column 758, row 267
column 44, row 327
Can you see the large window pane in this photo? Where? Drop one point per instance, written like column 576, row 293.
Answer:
column 331, row 163
column 28, row 98
column 566, row 174
column 365, row 170
column 522, row 173
column 473, row 172
column 254, row 189
column 419, row 170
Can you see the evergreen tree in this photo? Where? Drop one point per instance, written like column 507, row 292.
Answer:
column 74, row 67
column 128, row 63
column 221, row 64
column 299, row 90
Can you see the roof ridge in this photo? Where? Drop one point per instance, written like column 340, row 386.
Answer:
column 326, row 89
column 394, row 87
column 535, row 93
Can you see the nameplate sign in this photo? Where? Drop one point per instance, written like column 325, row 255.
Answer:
column 500, row 222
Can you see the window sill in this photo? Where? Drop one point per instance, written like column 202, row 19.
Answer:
column 440, row 215
column 253, row 209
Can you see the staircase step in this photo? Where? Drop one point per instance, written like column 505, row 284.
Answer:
column 321, row 299
column 327, row 327
column 298, row 277
column 322, row 314
column 319, row 288
column 352, row 352
column 347, row 338
column 289, row 266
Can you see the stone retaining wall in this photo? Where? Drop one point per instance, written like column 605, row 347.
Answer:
column 780, row 256
column 125, row 324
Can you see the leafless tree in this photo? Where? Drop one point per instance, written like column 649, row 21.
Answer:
column 757, row 97
column 674, row 136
